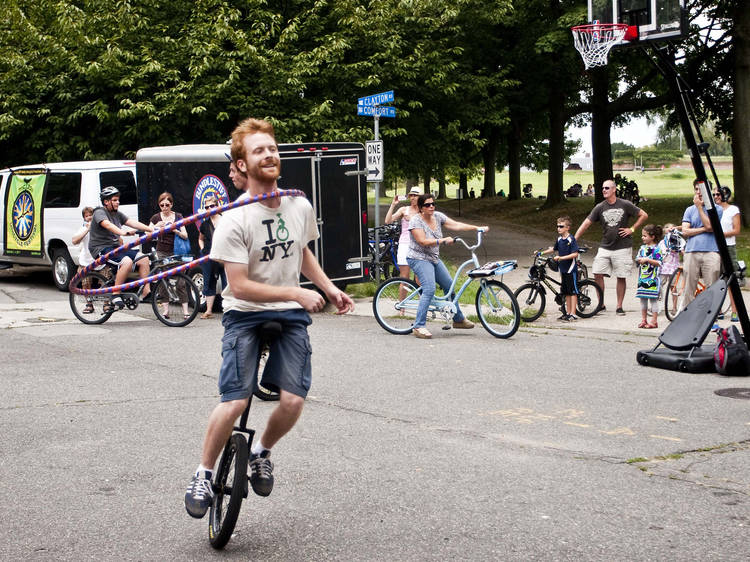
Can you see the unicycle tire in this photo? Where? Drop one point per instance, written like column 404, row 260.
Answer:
column 230, row 488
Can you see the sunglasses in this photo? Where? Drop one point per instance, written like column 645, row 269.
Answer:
column 209, row 206
column 165, row 204
column 428, row 204
column 560, row 226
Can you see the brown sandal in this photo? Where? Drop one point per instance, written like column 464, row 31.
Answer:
column 207, row 315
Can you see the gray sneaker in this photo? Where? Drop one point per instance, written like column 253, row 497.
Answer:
column 199, row 495
column 261, row 473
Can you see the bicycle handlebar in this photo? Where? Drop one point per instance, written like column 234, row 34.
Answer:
column 475, row 246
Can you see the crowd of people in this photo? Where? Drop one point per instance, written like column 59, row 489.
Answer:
column 656, row 259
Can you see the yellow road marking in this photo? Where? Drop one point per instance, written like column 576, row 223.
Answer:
column 665, row 437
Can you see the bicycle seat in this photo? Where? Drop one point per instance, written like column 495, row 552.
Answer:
column 270, row 330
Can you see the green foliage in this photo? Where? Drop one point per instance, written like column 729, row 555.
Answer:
column 648, row 157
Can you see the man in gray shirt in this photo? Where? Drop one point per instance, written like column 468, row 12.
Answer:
column 615, row 255
column 106, row 229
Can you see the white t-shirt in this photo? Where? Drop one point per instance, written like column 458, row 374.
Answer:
column 270, row 241
column 726, row 222
column 84, row 258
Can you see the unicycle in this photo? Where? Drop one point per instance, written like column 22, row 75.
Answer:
column 231, row 481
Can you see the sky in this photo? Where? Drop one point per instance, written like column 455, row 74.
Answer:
column 638, row 133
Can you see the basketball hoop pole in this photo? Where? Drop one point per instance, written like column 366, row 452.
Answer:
column 683, row 104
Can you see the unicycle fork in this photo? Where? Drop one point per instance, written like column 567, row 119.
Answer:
column 231, row 480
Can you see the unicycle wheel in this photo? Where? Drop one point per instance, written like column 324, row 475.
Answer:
column 230, row 488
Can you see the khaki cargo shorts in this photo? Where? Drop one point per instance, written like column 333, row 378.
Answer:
column 613, row 263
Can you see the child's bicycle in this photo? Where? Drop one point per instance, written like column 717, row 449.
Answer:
column 175, row 299
column 674, row 295
column 230, row 484
column 396, row 300
column 532, row 296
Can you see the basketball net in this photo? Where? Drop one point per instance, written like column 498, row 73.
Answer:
column 595, row 40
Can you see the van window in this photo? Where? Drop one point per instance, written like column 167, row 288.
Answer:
column 63, row 190
column 122, row 180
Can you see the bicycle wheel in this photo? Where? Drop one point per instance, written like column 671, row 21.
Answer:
column 674, row 297
column 590, row 298
column 90, row 309
column 261, row 391
column 497, row 309
column 395, row 305
column 176, row 300
column 531, row 300
column 230, row 487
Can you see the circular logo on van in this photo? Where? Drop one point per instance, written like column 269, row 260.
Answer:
column 209, row 186
column 23, row 215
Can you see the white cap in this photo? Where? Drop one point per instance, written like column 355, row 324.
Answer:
column 415, row 191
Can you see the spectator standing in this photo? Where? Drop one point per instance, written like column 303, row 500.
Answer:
column 701, row 252
column 731, row 225
column 615, row 255
column 404, row 214
column 567, row 252
column 649, row 261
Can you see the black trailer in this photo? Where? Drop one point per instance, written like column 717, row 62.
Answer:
column 191, row 172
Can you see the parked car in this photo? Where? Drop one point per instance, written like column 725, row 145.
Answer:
column 42, row 207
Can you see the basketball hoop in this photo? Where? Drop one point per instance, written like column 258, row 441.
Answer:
column 595, row 40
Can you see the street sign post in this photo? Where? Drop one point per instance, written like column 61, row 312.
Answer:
column 375, row 162
column 373, row 105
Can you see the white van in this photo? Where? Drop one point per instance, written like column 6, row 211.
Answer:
column 42, row 207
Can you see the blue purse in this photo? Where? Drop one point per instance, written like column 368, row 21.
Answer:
column 181, row 247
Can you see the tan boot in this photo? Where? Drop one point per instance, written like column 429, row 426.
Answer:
column 422, row 333
column 464, row 324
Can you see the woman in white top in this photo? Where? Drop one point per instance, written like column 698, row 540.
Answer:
column 404, row 214
column 731, row 225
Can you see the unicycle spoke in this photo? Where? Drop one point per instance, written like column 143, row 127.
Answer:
column 230, row 487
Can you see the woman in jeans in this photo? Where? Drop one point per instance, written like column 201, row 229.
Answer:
column 426, row 230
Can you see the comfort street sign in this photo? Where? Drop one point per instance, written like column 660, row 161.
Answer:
column 375, row 162
column 373, row 110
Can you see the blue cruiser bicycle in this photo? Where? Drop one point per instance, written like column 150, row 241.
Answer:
column 396, row 299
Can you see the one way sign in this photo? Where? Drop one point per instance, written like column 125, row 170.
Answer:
column 375, row 162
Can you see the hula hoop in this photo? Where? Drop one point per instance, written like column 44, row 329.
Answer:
column 101, row 260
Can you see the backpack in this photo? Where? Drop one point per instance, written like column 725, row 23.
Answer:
column 731, row 356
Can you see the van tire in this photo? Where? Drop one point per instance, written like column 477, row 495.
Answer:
column 63, row 268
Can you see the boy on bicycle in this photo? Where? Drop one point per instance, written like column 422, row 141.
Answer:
column 567, row 253
column 263, row 247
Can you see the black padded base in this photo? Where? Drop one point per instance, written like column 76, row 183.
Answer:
column 700, row 361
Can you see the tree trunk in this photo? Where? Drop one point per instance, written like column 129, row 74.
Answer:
column 741, row 136
column 514, row 161
column 489, row 157
column 463, row 181
column 441, row 185
column 601, row 122
column 556, row 152
column 427, row 175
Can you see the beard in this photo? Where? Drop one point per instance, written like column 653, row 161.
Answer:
column 263, row 174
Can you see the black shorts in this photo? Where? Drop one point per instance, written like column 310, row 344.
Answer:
column 569, row 284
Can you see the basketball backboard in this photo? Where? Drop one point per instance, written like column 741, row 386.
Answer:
column 656, row 19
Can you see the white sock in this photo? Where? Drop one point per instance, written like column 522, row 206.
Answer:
column 258, row 448
column 202, row 468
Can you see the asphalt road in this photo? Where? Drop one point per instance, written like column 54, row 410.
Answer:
column 554, row 445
